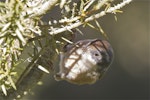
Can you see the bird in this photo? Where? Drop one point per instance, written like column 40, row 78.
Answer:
column 85, row 61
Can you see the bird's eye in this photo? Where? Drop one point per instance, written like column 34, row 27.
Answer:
column 96, row 54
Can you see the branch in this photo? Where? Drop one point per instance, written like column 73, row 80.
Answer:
column 91, row 18
column 40, row 7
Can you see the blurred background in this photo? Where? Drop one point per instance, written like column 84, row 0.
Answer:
column 128, row 76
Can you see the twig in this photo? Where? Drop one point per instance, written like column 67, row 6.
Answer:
column 41, row 8
column 95, row 16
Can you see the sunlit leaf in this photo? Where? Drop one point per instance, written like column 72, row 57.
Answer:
column 65, row 39
column 4, row 89
column 20, row 36
column 43, row 69
column 11, row 82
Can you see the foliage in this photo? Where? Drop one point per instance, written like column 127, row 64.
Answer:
column 27, row 45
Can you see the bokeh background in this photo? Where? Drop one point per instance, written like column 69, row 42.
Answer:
column 128, row 76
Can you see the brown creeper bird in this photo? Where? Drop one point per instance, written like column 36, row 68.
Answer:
column 85, row 62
